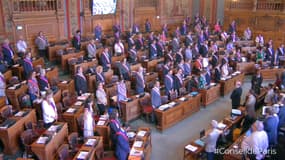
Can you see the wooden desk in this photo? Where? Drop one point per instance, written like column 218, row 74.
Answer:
column 270, row 73
column 151, row 76
column 51, row 73
column 8, row 75
column 229, row 85
column 151, row 65
column 244, row 43
column 67, row 85
column 85, row 65
column 108, row 75
column 53, row 49
column 48, row 151
column 71, row 118
column 104, row 131
column 95, row 150
column 64, row 58
column 146, row 146
column 131, row 110
column 246, row 67
column 135, row 67
column 13, row 95
column 39, row 62
column 11, row 136
column 234, row 148
column 91, row 82
column 210, row 95
column 182, row 110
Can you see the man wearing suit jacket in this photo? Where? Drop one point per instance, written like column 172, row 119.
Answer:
column 187, row 68
column 98, row 31
column 80, row 82
column 236, row 95
column 215, row 59
column 140, row 82
column 122, row 145
column 153, row 50
column 269, row 53
column 179, row 57
column 99, row 74
column 160, row 48
column 27, row 65
column 175, row 45
column 8, row 53
column 183, row 28
column 169, row 83
column 281, row 50
column 131, row 41
column 178, row 80
column 195, row 51
column 140, row 42
column 275, row 59
column 271, row 127
column 91, row 49
column 188, row 39
column 76, row 41
column 132, row 57
column 208, row 76
column 125, row 69
column 105, row 59
column 147, row 26
column 155, row 99
column 136, row 29
column 166, row 67
column 43, row 81
column 204, row 49
column 217, row 76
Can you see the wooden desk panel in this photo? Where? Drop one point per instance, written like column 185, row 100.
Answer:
column 104, row 131
column 67, row 86
column 53, row 49
column 51, row 73
column 246, row 67
column 108, row 75
column 48, row 151
column 150, row 77
column 39, row 61
column 270, row 73
column 98, row 149
column 13, row 95
column 91, row 81
column 175, row 114
column 135, row 67
column 64, row 58
column 130, row 110
column 11, row 136
column 8, row 75
column 236, row 146
column 210, row 95
column 71, row 118
column 228, row 85
column 85, row 65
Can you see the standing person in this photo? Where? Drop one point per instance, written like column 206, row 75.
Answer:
column 101, row 98
column 269, row 95
column 42, row 44
column 257, row 142
column 89, row 123
column 178, row 81
column 119, row 48
column 105, row 59
column 147, row 25
column 98, row 32
column 114, row 126
column 271, row 127
column 121, row 92
column 76, row 40
column 122, row 145
column 211, row 140
column 125, row 69
column 43, row 81
column 256, row 82
column 99, row 75
column 91, row 49
column 236, row 95
column 21, row 46
column 8, row 53
column 155, row 100
column 27, row 65
column 49, row 110
column 3, row 86
column 33, row 87
column 169, row 83
column 80, row 81
column 250, row 116
column 140, row 82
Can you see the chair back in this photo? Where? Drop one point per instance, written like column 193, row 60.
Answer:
column 62, row 152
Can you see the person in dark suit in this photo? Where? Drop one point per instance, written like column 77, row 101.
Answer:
column 43, row 81
column 192, row 85
column 98, row 32
column 281, row 50
column 8, row 53
column 177, row 33
column 179, row 57
column 132, row 56
column 76, row 40
column 105, row 59
column 195, row 51
column 187, row 68
column 139, row 42
column 178, row 81
column 165, row 29
column 80, row 81
column 217, row 76
column 27, row 65
column 166, row 67
column 208, row 76
column 175, row 45
column 150, row 37
column 204, row 49
column 122, row 145
column 215, row 59
column 131, row 41
column 236, row 95
column 140, row 82
column 99, row 75
column 188, row 39
column 155, row 99
column 114, row 125
column 281, row 115
column 269, row 53
column 160, row 48
column 232, row 27
column 153, row 50
column 125, row 69
column 183, row 28
column 256, row 82
column 275, row 59
column 136, row 29
column 271, row 127
column 169, row 82
column 147, row 25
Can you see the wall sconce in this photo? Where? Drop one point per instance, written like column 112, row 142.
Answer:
column 19, row 27
column 157, row 17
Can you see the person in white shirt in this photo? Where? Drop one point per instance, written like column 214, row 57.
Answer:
column 257, row 142
column 225, row 69
column 3, row 86
column 247, row 34
column 49, row 109
column 224, row 36
column 21, row 46
column 89, row 123
column 119, row 48
column 211, row 140
column 91, row 49
column 101, row 98
column 269, row 96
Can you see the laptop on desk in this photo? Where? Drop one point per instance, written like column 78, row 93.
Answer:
column 201, row 140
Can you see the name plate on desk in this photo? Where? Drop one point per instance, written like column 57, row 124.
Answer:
column 136, row 153
column 82, row 155
column 141, row 133
column 8, row 123
column 71, row 110
column 91, row 142
column 21, row 113
column 100, row 123
column 138, row 144
column 43, row 140
column 54, row 128
column 191, row 148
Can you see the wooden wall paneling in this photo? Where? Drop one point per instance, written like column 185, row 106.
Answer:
column 2, row 22
column 143, row 13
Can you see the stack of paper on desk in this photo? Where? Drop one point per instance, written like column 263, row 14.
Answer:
column 191, row 148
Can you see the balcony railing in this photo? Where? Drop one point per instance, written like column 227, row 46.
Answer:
column 257, row 5
column 241, row 5
column 273, row 6
column 34, row 5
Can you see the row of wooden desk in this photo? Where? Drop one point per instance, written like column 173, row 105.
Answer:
column 230, row 84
